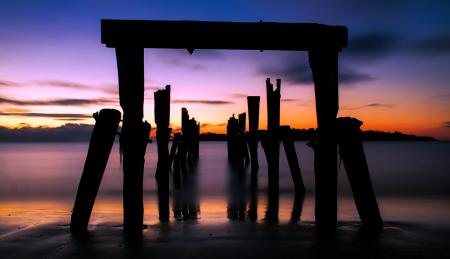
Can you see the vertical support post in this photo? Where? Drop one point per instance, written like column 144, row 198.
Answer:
column 271, row 144
column 242, row 144
column 355, row 163
column 324, row 66
column 253, row 123
column 102, row 140
column 134, row 137
column 185, row 141
column 162, row 119
column 232, row 135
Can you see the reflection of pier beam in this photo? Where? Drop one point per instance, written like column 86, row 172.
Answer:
column 134, row 137
column 324, row 66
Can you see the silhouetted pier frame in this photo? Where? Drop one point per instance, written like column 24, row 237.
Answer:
column 323, row 42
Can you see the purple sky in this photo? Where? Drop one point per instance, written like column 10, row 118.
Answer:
column 394, row 73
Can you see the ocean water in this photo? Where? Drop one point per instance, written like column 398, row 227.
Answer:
column 38, row 183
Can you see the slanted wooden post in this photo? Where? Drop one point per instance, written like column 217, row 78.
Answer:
column 324, row 66
column 173, row 149
column 102, row 140
column 253, row 123
column 270, row 143
column 162, row 119
column 177, row 160
column 352, row 153
column 134, row 137
column 286, row 136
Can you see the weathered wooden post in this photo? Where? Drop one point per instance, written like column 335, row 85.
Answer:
column 253, row 123
column 134, row 137
column 242, row 151
column 196, row 141
column 162, row 119
column 324, row 66
column 285, row 135
column 352, row 153
column 185, row 140
column 270, row 143
column 102, row 140
column 193, row 141
column 232, row 135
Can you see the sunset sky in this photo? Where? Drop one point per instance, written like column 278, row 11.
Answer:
column 394, row 75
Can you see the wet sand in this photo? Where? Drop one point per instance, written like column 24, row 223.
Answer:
column 190, row 239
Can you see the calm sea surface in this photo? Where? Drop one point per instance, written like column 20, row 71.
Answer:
column 39, row 182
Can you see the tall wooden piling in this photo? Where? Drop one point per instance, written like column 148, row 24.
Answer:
column 162, row 119
column 242, row 151
column 352, row 153
column 253, row 123
column 324, row 66
column 270, row 143
column 185, row 140
column 134, row 137
column 102, row 140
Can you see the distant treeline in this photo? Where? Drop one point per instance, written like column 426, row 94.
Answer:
column 82, row 133
column 311, row 134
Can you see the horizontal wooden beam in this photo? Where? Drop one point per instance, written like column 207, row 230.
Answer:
column 193, row 35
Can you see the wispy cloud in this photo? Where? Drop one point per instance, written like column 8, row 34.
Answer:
column 289, row 100
column 372, row 45
column 57, row 102
column 447, row 124
column 297, row 71
column 206, row 102
column 63, row 84
column 208, row 125
column 238, row 95
column 65, row 133
column 47, row 115
column 434, row 45
column 370, row 105
column 8, row 83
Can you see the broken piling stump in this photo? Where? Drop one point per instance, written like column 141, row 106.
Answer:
column 232, row 139
column 102, row 140
column 355, row 163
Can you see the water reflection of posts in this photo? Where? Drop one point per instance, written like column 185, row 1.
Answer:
column 185, row 203
column 236, row 193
